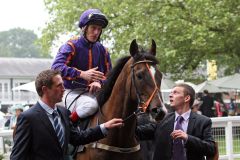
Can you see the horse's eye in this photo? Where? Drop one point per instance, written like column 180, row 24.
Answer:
column 139, row 76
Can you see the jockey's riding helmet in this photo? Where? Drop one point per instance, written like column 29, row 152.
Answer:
column 93, row 16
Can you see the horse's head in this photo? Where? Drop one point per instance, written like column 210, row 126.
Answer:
column 146, row 79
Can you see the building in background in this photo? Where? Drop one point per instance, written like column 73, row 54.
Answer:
column 15, row 72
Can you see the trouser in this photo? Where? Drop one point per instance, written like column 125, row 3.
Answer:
column 85, row 105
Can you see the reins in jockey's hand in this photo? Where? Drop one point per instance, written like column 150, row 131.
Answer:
column 82, row 84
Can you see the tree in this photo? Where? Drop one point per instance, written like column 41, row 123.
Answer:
column 187, row 32
column 19, row 43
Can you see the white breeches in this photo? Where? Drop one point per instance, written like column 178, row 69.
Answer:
column 86, row 105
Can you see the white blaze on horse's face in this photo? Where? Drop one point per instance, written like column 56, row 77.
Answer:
column 153, row 71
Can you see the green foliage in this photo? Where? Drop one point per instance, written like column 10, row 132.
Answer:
column 187, row 32
column 19, row 43
column 1, row 157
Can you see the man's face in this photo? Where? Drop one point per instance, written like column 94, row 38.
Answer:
column 55, row 93
column 18, row 111
column 93, row 32
column 177, row 97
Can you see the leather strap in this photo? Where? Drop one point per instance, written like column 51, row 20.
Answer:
column 112, row 148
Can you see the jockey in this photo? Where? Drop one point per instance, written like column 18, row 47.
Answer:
column 84, row 62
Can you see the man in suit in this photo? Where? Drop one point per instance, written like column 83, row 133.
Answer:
column 195, row 134
column 207, row 106
column 44, row 131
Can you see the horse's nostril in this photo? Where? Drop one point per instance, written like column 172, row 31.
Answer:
column 160, row 115
column 155, row 110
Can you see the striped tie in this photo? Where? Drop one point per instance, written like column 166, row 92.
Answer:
column 58, row 128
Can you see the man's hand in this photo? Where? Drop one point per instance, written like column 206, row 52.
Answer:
column 94, row 87
column 92, row 75
column 179, row 134
column 113, row 123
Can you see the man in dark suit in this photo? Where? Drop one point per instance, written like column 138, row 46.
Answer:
column 42, row 135
column 207, row 104
column 195, row 134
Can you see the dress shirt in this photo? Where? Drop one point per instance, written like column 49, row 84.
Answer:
column 185, row 116
column 49, row 112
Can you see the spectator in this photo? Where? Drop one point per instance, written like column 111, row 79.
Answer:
column 208, row 104
column 232, row 108
column 182, row 134
column 196, row 106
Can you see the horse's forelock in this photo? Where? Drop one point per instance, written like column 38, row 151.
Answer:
column 143, row 55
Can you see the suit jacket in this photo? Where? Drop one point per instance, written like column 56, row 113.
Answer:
column 36, row 138
column 200, row 142
column 206, row 107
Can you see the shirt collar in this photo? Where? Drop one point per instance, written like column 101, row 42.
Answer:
column 48, row 109
column 185, row 115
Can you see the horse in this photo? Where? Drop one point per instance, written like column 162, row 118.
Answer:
column 132, row 87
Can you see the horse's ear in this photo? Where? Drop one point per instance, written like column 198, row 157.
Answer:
column 153, row 48
column 133, row 48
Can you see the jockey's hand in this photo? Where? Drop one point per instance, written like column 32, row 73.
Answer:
column 113, row 123
column 94, row 87
column 92, row 75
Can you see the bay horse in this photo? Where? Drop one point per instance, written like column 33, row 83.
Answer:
column 132, row 85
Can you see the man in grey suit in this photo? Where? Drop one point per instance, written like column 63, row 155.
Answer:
column 38, row 137
column 193, row 132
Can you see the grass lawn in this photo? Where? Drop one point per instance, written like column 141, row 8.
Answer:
column 222, row 145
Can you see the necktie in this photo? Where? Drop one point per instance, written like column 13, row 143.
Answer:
column 58, row 128
column 178, row 147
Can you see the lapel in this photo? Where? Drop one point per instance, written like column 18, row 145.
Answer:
column 169, row 122
column 167, row 126
column 191, row 122
column 171, row 126
column 45, row 120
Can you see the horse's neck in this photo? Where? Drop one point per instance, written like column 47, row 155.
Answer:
column 119, row 105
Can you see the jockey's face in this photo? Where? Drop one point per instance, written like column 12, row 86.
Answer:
column 93, row 32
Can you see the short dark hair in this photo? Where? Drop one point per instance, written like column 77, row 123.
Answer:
column 188, row 90
column 45, row 79
column 205, row 91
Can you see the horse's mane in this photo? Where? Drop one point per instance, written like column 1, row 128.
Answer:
column 106, row 91
column 112, row 76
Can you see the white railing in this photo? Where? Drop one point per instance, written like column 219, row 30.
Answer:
column 5, row 135
column 226, row 131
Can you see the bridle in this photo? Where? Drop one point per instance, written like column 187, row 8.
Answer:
column 142, row 106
